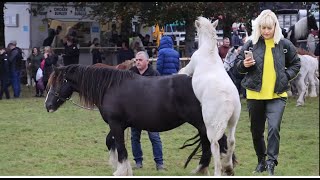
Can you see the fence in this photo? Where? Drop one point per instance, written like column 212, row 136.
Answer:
column 303, row 43
column 110, row 53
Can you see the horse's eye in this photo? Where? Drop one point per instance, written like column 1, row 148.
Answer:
column 56, row 94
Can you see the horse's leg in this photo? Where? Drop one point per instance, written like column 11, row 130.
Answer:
column 227, row 162
column 113, row 155
column 123, row 167
column 188, row 69
column 216, row 123
column 301, row 86
column 312, row 84
column 316, row 80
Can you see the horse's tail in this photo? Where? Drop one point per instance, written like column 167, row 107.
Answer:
column 223, row 148
column 195, row 151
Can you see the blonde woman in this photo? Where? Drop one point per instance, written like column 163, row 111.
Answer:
column 50, row 60
column 267, row 74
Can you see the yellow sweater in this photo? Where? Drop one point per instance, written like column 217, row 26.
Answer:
column 268, row 77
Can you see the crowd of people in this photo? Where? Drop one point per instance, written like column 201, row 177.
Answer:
column 11, row 65
column 39, row 65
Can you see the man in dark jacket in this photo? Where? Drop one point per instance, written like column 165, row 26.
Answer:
column 168, row 61
column 235, row 39
column 125, row 53
column 15, row 63
column 72, row 52
column 145, row 69
column 4, row 73
column 48, row 41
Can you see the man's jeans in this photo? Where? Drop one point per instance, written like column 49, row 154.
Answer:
column 136, row 146
column 15, row 81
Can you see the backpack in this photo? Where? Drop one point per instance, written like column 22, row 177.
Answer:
column 20, row 54
column 20, row 63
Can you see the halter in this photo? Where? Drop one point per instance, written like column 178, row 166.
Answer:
column 56, row 94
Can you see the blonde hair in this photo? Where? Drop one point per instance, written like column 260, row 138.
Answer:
column 48, row 49
column 269, row 19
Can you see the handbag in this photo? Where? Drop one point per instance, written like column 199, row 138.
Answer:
column 39, row 74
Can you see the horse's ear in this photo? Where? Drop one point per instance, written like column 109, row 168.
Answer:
column 197, row 24
column 215, row 23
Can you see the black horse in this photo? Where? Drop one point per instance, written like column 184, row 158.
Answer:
column 163, row 103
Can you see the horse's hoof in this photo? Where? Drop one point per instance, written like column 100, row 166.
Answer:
column 201, row 171
column 229, row 172
column 118, row 173
column 312, row 95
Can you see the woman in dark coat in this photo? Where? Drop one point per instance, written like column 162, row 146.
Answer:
column 34, row 61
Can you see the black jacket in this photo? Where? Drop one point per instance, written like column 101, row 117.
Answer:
column 4, row 67
column 149, row 72
column 49, row 64
column 286, row 62
column 15, row 59
column 71, row 55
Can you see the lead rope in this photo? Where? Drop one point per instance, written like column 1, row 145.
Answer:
column 93, row 109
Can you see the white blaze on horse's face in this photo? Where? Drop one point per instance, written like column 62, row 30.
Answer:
column 45, row 102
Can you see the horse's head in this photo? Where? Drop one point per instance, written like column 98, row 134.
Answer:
column 60, row 89
column 206, row 30
column 231, row 57
column 312, row 23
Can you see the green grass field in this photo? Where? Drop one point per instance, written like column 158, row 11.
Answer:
column 71, row 142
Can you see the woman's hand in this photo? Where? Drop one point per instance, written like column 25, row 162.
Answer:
column 248, row 62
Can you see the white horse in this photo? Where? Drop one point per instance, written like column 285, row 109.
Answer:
column 216, row 92
column 307, row 77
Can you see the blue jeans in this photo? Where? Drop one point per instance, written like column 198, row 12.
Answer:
column 15, row 81
column 136, row 146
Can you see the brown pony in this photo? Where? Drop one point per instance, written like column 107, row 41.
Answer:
column 126, row 65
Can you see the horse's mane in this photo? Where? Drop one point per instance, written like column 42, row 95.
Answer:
column 92, row 81
column 299, row 29
column 206, row 29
